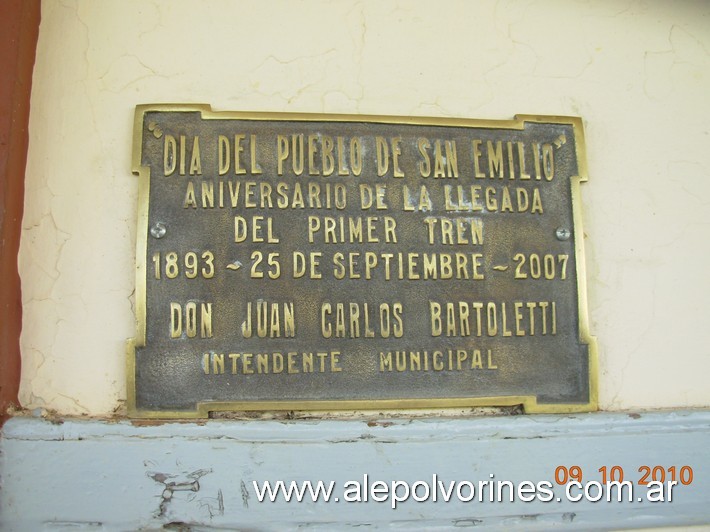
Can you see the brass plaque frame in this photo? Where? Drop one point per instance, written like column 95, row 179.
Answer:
column 585, row 342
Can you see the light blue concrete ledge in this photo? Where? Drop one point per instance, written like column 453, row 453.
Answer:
column 97, row 475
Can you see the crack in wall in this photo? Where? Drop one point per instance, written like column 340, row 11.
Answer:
column 661, row 68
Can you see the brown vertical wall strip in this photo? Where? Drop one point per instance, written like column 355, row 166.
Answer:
column 19, row 29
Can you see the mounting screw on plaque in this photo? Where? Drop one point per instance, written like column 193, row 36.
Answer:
column 563, row 233
column 158, row 230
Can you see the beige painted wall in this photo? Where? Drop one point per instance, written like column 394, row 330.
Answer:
column 637, row 72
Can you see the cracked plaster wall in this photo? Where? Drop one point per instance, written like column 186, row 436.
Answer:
column 638, row 72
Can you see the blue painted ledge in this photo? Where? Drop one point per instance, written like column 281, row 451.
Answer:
column 98, row 475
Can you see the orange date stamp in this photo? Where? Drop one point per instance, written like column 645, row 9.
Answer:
column 644, row 474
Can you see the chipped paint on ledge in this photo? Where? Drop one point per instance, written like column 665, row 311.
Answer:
column 201, row 476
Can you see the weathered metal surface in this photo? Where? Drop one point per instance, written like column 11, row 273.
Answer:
column 323, row 262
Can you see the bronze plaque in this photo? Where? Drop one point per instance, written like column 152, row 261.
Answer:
column 296, row 262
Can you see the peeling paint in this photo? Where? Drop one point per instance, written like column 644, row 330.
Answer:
column 192, row 485
column 182, row 475
column 245, row 494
